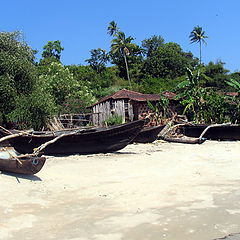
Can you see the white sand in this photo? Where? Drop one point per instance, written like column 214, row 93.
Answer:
column 145, row 191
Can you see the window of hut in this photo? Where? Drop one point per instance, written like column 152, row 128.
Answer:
column 126, row 104
column 112, row 105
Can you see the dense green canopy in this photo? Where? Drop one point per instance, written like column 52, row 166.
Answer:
column 32, row 91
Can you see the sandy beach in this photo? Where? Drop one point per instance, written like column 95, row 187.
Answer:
column 144, row 192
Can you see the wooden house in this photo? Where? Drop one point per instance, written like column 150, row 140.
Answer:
column 128, row 104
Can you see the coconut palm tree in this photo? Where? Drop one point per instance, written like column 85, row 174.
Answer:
column 198, row 35
column 112, row 28
column 122, row 45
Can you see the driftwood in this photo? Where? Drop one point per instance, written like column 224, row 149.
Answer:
column 5, row 130
column 44, row 145
column 14, row 157
column 165, row 130
column 15, row 135
column 169, row 128
column 167, row 134
column 55, row 124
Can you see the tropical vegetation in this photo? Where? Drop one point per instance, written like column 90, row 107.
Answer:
column 32, row 91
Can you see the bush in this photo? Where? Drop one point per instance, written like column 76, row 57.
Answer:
column 113, row 120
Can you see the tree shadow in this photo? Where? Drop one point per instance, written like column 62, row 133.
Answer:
column 22, row 176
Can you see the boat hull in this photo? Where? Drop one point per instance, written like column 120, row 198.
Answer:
column 228, row 132
column 29, row 166
column 94, row 141
column 148, row 134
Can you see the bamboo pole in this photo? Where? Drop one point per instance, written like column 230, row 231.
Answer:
column 15, row 135
column 5, row 130
column 44, row 145
column 14, row 157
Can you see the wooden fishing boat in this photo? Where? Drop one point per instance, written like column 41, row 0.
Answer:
column 80, row 141
column 10, row 161
column 148, row 134
column 171, row 133
column 184, row 139
column 222, row 132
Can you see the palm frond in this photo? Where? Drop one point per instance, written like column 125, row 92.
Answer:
column 182, row 85
column 234, row 83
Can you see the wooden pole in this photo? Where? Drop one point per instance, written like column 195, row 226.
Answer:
column 15, row 135
column 44, row 145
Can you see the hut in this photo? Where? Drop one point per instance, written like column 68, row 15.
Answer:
column 128, row 104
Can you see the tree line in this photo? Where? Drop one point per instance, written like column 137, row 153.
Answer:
column 32, row 91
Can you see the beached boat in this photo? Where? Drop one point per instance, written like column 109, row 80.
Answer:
column 148, row 134
column 218, row 132
column 11, row 161
column 173, row 134
column 79, row 141
column 184, row 139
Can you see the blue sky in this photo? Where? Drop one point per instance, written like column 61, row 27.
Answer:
column 81, row 25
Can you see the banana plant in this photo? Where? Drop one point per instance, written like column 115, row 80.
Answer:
column 191, row 95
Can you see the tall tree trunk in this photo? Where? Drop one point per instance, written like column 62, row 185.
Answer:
column 200, row 44
column 128, row 77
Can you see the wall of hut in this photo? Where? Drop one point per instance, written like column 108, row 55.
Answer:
column 104, row 110
column 128, row 109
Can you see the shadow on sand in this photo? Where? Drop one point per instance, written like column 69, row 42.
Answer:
column 122, row 153
column 22, row 176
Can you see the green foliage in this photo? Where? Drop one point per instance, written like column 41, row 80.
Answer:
column 60, row 83
column 201, row 104
column 235, row 84
column 160, row 109
column 235, row 100
column 17, row 74
column 112, row 28
column 235, row 76
column 216, row 75
column 8, row 94
column 16, row 61
column 152, row 44
column 158, row 85
column 197, row 35
column 52, row 49
column 33, row 111
column 121, row 50
column 216, row 109
column 32, row 92
column 168, row 62
column 98, row 60
column 113, row 120
column 100, row 83
column 192, row 96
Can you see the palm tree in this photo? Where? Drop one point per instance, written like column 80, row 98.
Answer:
column 122, row 45
column 112, row 28
column 198, row 35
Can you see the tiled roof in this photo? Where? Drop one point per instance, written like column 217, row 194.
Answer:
column 127, row 94
column 169, row 95
column 136, row 96
column 232, row 94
